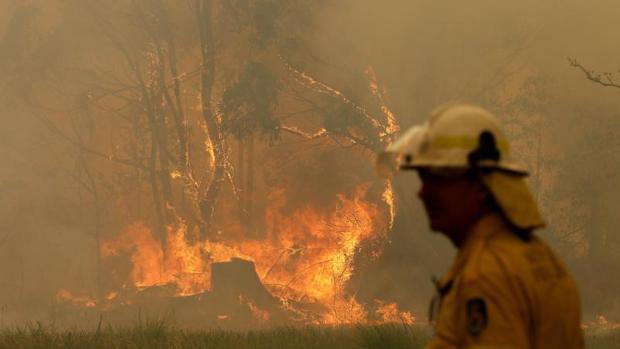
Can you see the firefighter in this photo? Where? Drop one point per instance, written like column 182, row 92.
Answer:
column 505, row 288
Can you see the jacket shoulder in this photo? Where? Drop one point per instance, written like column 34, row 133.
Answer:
column 505, row 255
column 501, row 255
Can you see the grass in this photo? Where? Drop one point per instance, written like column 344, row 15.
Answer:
column 603, row 339
column 159, row 334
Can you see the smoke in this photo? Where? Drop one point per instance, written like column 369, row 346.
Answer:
column 509, row 57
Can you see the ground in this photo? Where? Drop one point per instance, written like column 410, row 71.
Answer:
column 158, row 334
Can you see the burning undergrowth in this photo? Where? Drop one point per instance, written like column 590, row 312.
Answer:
column 295, row 272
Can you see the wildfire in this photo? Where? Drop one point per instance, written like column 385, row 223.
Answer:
column 392, row 126
column 344, row 310
column 388, row 198
column 320, row 87
column 184, row 265
column 316, row 250
column 391, row 129
column 601, row 324
column 65, row 296
column 305, row 255
column 389, row 312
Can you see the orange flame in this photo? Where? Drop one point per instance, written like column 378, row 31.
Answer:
column 601, row 324
column 389, row 312
column 314, row 251
column 305, row 255
column 186, row 266
column 388, row 198
column 65, row 296
column 320, row 87
column 392, row 126
column 344, row 310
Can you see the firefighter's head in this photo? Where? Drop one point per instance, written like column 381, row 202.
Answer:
column 464, row 163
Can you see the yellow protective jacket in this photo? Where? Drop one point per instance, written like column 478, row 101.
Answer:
column 503, row 292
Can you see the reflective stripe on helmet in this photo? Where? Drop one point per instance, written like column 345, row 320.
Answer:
column 464, row 142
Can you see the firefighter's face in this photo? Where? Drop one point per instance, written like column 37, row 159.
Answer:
column 453, row 202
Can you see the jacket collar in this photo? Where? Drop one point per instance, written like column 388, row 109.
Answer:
column 485, row 227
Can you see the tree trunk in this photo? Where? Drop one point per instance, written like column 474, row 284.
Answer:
column 164, row 163
column 159, row 214
column 241, row 181
column 207, row 77
column 250, row 185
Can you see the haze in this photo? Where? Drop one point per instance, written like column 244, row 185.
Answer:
column 81, row 159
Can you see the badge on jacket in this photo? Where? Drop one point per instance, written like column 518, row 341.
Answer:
column 477, row 317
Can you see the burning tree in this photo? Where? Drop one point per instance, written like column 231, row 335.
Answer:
column 156, row 116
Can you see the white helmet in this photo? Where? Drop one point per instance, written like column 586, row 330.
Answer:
column 465, row 137
column 455, row 137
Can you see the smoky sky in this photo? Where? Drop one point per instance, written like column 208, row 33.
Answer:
column 509, row 57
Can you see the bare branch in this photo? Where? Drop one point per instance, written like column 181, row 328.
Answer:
column 321, row 87
column 604, row 79
column 54, row 129
column 296, row 131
